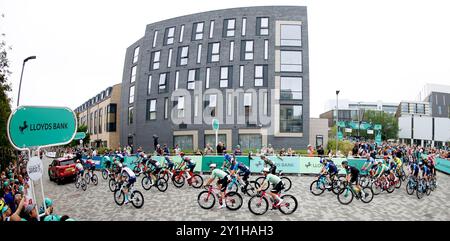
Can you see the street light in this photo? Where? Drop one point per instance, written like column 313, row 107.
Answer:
column 21, row 75
column 337, row 120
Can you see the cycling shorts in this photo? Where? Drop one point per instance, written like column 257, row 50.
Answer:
column 190, row 167
column 354, row 178
column 131, row 180
column 278, row 187
column 224, row 183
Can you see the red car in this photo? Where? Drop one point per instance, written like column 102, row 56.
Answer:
column 62, row 168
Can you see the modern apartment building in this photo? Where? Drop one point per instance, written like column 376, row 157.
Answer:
column 247, row 67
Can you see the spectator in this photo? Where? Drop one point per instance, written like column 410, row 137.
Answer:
column 320, row 151
column 208, row 149
column 177, row 150
column 237, row 151
column 94, row 152
column 290, row 152
column 282, row 152
column 310, row 151
column 270, row 150
column 264, row 150
column 166, row 150
column 220, row 148
column 159, row 150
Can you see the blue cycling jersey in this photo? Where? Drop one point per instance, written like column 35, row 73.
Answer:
column 227, row 157
column 415, row 168
column 426, row 170
column 331, row 167
column 168, row 160
column 240, row 166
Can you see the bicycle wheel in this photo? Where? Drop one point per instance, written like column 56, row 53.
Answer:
column 137, row 199
column 178, row 181
column 197, row 181
column 260, row 181
column 164, row 175
column 346, row 196
column 83, row 184
column 105, row 174
column 410, row 187
column 376, row 188
column 369, row 195
column 258, row 205
column 77, row 182
column 433, row 184
column 403, row 175
column 364, row 181
column 161, row 184
column 146, row 183
column 206, row 200
column 317, row 188
column 250, row 188
column 427, row 188
column 398, row 184
column 420, row 190
column 86, row 177
column 137, row 171
column 112, row 185
column 119, row 197
column 391, row 187
column 289, row 204
column 287, row 183
column 94, row 179
column 337, row 186
column 233, row 200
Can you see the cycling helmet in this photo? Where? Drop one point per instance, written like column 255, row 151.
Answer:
column 212, row 165
column 420, row 163
column 48, row 202
column 120, row 165
column 345, row 163
column 2, row 204
column 266, row 169
column 70, row 219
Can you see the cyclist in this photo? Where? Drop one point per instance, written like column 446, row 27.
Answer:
column 244, row 170
column 268, row 162
column 369, row 162
column 227, row 159
column 221, row 183
column 414, row 169
column 126, row 171
column 190, row 165
column 276, row 183
column 329, row 169
column 90, row 166
column 398, row 165
column 431, row 164
column 381, row 170
column 352, row 177
column 170, row 165
column 156, row 168
column 426, row 172
column 107, row 161
column 80, row 169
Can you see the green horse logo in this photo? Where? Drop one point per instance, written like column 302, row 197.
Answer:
column 22, row 128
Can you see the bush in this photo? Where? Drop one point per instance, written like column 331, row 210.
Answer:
column 102, row 151
column 343, row 146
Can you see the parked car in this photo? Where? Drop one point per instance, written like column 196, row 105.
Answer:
column 62, row 169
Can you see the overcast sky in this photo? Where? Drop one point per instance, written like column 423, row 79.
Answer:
column 370, row 50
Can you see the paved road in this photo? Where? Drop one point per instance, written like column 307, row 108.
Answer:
column 97, row 203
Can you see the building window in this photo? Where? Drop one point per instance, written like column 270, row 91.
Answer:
column 291, row 118
column 291, row 61
column 291, row 88
column 177, row 76
column 149, row 85
column 439, row 110
column 131, row 99
column 180, row 107
column 196, row 106
column 111, row 110
column 130, row 114
column 291, row 35
column 247, row 107
column 151, row 110
column 211, row 29
column 260, row 75
column 263, row 26
column 155, row 60
column 163, row 79
column 231, row 50
column 95, row 122
column 155, row 36
column 247, row 50
column 199, row 53
column 229, row 27
column 244, row 26
column 181, row 33
column 241, row 75
column 166, row 108
column 184, row 142
column 229, row 104
column 212, row 104
column 169, row 36
column 225, row 76
column 136, row 55
column 250, row 141
column 133, row 74
column 208, row 72
column 169, row 59
column 197, row 31
column 193, row 75
column 183, row 54
column 213, row 52
column 266, row 49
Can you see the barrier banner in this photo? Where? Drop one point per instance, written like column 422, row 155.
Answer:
column 287, row 164
column 443, row 165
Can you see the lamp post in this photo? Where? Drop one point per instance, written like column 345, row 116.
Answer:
column 21, row 75
column 337, row 120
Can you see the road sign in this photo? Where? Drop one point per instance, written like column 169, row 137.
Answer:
column 377, row 127
column 79, row 136
column 215, row 124
column 39, row 126
column 34, row 168
column 370, row 132
column 340, row 136
column 348, row 130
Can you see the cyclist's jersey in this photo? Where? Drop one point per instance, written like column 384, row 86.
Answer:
column 269, row 162
column 331, row 167
column 371, row 160
column 415, row 168
column 90, row 162
column 274, row 179
column 106, row 158
column 218, row 173
column 167, row 159
column 188, row 161
column 129, row 172
column 426, row 170
column 79, row 166
column 381, row 168
column 240, row 166
column 398, row 161
column 352, row 170
column 152, row 162
column 228, row 157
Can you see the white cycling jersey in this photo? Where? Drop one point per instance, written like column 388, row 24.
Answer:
column 129, row 172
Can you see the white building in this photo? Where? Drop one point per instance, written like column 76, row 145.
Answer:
column 346, row 104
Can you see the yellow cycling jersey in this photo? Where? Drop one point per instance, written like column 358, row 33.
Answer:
column 398, row 161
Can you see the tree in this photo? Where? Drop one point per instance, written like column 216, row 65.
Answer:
column 5, row 106
column 388, row 122
column 87, row 139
